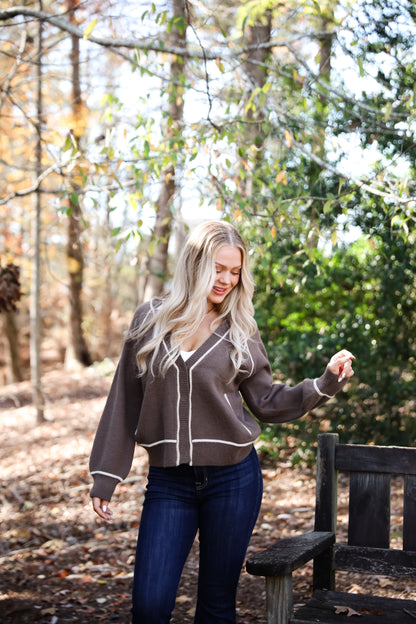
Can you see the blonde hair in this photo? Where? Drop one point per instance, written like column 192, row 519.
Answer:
column 181, row 313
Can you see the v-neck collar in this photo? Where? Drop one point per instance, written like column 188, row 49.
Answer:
column 217, row 335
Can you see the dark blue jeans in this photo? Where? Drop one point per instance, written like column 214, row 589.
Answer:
column 223, row 503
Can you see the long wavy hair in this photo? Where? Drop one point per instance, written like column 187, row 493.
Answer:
column 184, row 308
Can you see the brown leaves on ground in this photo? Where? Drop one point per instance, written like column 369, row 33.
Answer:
column 346, row 610
column 61, row 564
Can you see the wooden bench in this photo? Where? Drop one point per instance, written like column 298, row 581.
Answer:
column 370, row 470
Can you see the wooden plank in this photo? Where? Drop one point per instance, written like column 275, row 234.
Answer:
column 279, row 599
column 409, row 513
column 326, row 483
column 326, row 506
column 378, row 561
column 373, row 609
column 392, row 459
column 369, row 510
column 288, row 554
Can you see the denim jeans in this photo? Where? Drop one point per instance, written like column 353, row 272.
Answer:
column 222, row 503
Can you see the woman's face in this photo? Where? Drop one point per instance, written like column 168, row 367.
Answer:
column 228, row 268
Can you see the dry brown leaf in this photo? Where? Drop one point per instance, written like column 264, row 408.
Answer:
column 347, row 610
column 384, row 582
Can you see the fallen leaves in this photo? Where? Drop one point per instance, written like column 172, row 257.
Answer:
column 60, row 565
column 346, row 610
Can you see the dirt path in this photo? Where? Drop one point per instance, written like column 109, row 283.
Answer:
column 59, row 564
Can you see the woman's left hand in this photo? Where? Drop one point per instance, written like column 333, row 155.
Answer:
column 341, row 364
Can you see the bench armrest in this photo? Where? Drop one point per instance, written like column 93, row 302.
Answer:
column 288, row 554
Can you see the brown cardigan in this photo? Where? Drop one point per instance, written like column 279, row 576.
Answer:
column 194, row 414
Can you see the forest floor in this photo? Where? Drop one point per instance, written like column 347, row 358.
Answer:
column 59, row 563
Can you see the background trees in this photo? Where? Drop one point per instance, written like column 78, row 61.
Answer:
column 294, row 120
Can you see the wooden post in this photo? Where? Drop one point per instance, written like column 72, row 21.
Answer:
column 326, row 507
column 279, row 599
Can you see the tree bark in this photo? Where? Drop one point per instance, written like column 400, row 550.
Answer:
column 12, row 336
column 75, row 253
column 326, row 43
column 258, row 34
column 75, row 258
column 326, row 28
column 35, row 318
column 157, row 262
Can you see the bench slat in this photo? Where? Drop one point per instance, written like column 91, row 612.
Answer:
column 389, row 562
column 409, row 513
column 391, row 459
column 369, row 510
column 373, row 609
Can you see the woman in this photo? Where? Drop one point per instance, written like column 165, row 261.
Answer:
column 187, row 365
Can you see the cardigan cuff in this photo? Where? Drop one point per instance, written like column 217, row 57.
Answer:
column 104, row 486
column 328, row 385
column 322, row 394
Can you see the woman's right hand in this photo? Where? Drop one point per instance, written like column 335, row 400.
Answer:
column 341, row 364
column 101, row 508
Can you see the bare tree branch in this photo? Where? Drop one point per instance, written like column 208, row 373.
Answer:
column 200, row 52
column 158, row 46
column 326, row 88
column 13, row 72
column 56, row 167
column 360, row 183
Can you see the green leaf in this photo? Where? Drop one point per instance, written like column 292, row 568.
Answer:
column 133, row 202
column 67, row 145
column 73, row 198
column 152, row 247
column 387, row 111
column 327, row 206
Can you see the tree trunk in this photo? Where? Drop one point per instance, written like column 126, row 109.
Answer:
column 75, row 253
column 35, row 324
column 326, row 40
column 157, row 262
column 259, row 33
column 12, row 336
column 75, row 258
column 107, row 303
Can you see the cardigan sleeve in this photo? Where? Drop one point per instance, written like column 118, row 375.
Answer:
column 114, row 443
column 276, row 402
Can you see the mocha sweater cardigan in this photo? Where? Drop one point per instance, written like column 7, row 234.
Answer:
column 194, row 414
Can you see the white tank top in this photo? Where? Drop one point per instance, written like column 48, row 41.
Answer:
column 185, row 355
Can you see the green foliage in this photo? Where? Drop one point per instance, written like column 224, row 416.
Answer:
column 361, row 297
column 259, row 139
